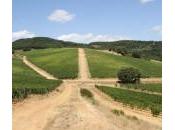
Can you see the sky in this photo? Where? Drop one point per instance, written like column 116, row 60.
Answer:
column 87, row 21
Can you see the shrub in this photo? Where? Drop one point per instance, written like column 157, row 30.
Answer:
column 110, row 49
column 129, row 75
column 26, row 49
column 136, row 55
column 13, row 51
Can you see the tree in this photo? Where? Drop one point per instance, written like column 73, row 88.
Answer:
column 26, row 49
column 136, row 55
column 110, row 49
column 129, row 75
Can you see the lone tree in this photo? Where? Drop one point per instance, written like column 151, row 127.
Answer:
column 129, row 75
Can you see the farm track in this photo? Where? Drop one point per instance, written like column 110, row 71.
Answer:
column 37, row 69
column 84, row 73
column 67, row 110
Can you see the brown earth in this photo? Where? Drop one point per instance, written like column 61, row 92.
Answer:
column 65, row 109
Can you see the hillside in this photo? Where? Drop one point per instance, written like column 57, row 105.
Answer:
column 42, row 42
column 147, row 49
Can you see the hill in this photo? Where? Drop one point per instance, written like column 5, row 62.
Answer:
column 42, row 43
column 147, row 49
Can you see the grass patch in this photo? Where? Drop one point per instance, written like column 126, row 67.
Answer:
column 86, row 93
column 118, row 112
column 148, row 87
column 62, row 63
column 108, row 65
column 121, row 113
column 135, row 99
column 27, row 81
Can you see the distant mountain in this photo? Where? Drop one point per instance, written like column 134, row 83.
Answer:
column 42, row 42
column 147, row 49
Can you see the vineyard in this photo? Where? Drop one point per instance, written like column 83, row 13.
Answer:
column 62, row 63
column 148, row 87
column 135, row 99
column 27, row 81
column 108, row 65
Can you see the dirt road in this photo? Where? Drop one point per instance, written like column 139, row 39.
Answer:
column 38, row 70
column 84, row 73
column 67, row 110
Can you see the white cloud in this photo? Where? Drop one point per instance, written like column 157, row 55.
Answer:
column 61, row 16
column 89, row 37
column 146, row 1
column 157, row 29
column 22, row 34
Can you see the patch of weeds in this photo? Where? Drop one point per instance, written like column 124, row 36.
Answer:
column 86, row 93
column 118, row 112
column 132, row 118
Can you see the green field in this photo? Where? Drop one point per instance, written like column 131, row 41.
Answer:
column 148, row 87
column 103, row 65
column 27, row 81
column 135, row 99
column 62, row 63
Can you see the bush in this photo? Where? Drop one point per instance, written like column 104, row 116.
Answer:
column 110, row 49
column 13, row 51
column 136, row 55
column 26, row 49
column 129, row 75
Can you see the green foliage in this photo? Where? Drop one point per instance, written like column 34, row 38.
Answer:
column 26, row 49
column 61, row 62
column 103, row 65
column 147, row 49
column 129, row 75
column 156, row 87
column 42, row 43
column 27, row 81
column 118, row 112
column 136, row 55
column 135, row 99
column 155, row 110
column 86, row 93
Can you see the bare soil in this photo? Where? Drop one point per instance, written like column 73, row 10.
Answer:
column 65, row 109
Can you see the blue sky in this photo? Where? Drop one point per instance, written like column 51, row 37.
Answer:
column 88, row 20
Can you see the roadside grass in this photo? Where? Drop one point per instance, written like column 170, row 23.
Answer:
column 103, row 65
column 87, row 94
column 62, row 62
column 135, row 99
column 26, row 81
column 121, row 113
column 155, row 87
